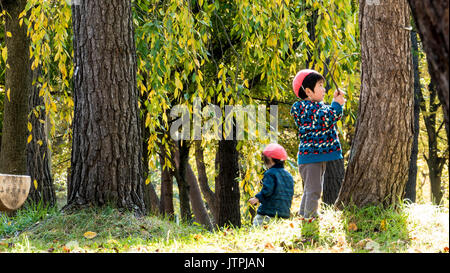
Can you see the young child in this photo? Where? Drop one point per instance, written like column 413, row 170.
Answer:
column 277, row 187
column 319, row 141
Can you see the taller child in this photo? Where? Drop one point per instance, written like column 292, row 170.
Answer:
column 319, row 140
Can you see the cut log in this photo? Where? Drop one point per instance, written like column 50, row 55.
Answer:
column 14, row 191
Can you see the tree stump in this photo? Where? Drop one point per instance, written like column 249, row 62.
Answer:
column 14, row 191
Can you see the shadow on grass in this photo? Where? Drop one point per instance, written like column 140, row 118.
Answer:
column 96, row 228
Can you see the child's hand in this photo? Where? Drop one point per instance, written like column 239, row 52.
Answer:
column 253, row 201
column 339, row 97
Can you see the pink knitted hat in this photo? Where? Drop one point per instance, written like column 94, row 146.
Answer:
column 298, row 80
column 276, row 151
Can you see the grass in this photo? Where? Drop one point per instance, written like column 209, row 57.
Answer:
column 410, row 228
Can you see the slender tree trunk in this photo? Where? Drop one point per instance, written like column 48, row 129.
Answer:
column 106, row 165
column 181, row 162
column 209, row 195
column 13, row 156
column 38, row 152
column 378, row 166
column 150, row 196
column 334, row 175
column 166, row 198
column 198, row 206
column 410, row 190
column 435, row 163
column 432, row 21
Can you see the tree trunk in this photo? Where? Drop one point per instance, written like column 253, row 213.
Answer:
column 334, row 174
column 38, row 152
column 106, row 164
column 432, row 21
column 410, row 190
column 181, row 161
column 435, row 163
column 166, row 202
column 209, row 195
column 13, row 156
column 227, row 186
column 378, row 166
column 198, row 206
column 151, row 199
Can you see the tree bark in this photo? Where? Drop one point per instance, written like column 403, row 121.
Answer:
column 151, row 199
column 13, row 156
column 227, row 187
column 378, row 166
column 435, row 163
column 432, row 21
column 198, row 206
column 181, row 158
column 106, row 164
column 38, row 153
column 166, row 203
column 334, row 174
column 209, row 195
column 410, row 190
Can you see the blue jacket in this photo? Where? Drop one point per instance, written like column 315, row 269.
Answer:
column 316, row 124
column 276, row 193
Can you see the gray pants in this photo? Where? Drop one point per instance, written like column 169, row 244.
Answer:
column 313, row 176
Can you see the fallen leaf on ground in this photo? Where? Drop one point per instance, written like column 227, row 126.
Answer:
column 352, row 227
column 269, row 246
column 89, row 235
column 383, row 225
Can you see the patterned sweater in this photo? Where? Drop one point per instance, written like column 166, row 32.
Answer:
column 317, row 131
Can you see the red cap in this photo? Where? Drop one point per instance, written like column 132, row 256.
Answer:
column 298, row 80
column 276, row 151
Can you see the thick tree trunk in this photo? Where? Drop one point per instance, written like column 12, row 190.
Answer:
column 13, row 156
column 227, row 187
column 378, row 166
column 106, row 164
column 432, row 21
column 38, row 152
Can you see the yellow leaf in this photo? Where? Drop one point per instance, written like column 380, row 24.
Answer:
column 30, row 137
column 178, row 83
column 269, row 246
column 8, row 93
column 272, row 41
column 8, row 34
column 89, row 235
column 4, row 53
column 352, row 227
column 220, row 73
column 35, row 184
column 30, row 127
column 383, row 225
